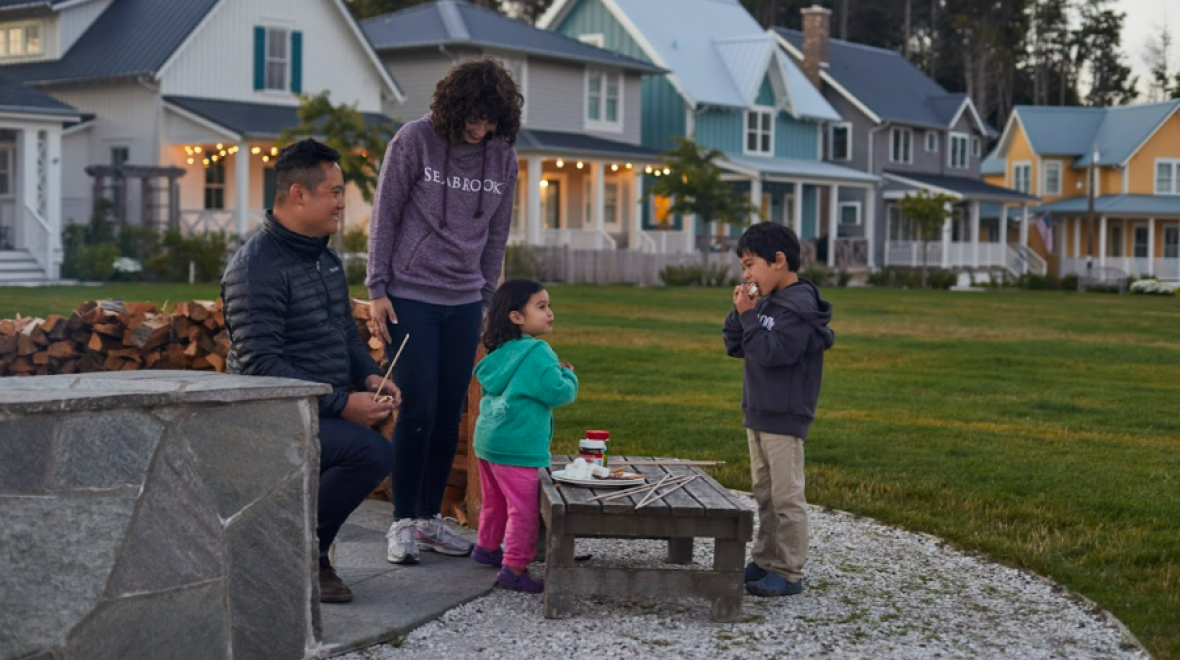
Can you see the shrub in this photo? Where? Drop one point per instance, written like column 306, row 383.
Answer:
column 1069, row 283
column 911, row 278
column 719, row 275
column 206, row 253
column 682, row 275
column 820, row 274
column 520, row 261
column 139, row 243
column 356, row 241
column 356, row 268
column 96, row 263
column 1036, row 282
column 1153, row 287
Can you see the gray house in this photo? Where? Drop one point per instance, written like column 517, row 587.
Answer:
column 580, row 148
column 906, row 128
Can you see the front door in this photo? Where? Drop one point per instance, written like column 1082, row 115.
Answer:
column 8, row 237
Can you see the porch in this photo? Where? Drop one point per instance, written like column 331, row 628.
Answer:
column 831, row 208
column 1136, row 234
column 581, row 192
column 978, row 236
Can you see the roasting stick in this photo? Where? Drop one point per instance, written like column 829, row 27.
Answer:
column 653, row 490
column 666, row 493
column 673, row 463
column 392, row 362
column 634, row 490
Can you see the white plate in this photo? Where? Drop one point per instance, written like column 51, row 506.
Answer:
column 559, row 476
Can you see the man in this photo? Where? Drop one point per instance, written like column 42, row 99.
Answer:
column 288, row 314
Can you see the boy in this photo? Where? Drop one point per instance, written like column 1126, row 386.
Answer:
column 782, row 336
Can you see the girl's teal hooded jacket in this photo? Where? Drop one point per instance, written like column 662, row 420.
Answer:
column 522, row 384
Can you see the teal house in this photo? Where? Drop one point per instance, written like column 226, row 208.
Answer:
column 731, row 88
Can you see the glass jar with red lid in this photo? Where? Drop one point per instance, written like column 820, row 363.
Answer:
column 604, row 436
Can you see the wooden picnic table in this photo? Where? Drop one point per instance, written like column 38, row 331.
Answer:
column 702, row 509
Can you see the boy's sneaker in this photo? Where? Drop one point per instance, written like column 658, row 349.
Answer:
column 523, row 582
column 488, row 557
column 754, row 572
column 403, row 542
column 434, row 534
column 773, row 584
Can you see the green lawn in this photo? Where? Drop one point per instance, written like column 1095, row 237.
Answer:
column 1040, row 428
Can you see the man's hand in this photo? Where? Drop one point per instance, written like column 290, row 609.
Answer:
column 388, row 389
column 567, row 365
column 362, row 410
column 742, row 302
column 380, row 315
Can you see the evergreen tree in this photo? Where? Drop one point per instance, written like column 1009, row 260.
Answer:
column 1099, row 39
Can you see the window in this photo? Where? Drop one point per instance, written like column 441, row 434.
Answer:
column 1167, row 176
column 1139, row 242
column 277, row 58
column 1172, row 242
column 840, row 142
column 957, row 151
column 1052, row 178
column 603, row 99
column 850, row 213
column 593, row 39
column 518, row 69
column 610, row 204
column 931, row 141
column 1114, row 240
column 1022, row 176
column 975, row 147
column 120, row 155
column 901, row 145
column 760, row 131
column 5, row 171
column 215, row 186
column 17, row 39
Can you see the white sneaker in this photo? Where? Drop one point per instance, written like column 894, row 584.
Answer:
column 403, row 542
column 434, row 534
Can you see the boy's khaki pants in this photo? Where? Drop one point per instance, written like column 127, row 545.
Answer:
column 776, row 464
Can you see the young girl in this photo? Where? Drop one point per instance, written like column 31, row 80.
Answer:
column 522, row 383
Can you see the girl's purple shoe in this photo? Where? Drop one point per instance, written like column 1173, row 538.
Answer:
column 523, row 582
column 488, row 557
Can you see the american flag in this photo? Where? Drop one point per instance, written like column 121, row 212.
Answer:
column 1045, row 226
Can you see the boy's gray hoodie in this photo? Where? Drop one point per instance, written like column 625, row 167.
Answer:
column 782, row 340
column 441, row 216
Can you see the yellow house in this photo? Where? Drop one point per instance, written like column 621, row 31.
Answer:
column 1133, row 155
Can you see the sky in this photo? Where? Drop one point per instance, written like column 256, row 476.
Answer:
column 1143, row 20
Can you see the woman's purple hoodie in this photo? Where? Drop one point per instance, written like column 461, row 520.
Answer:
column 440, row 218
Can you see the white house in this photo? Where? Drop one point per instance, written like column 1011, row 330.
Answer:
column 200, row 85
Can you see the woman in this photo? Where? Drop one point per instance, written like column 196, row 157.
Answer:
column 436, row 244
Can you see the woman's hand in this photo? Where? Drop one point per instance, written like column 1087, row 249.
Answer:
column 381, row 314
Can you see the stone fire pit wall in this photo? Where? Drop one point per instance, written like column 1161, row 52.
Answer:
column 158, row 515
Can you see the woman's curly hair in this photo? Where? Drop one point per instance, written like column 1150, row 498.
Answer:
column 479, row 89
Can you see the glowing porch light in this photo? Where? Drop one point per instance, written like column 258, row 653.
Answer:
column 614, row 167
column 544, row 183
column 560, row 163
column 580, row 165
column 647, row 170
column 667, row 171
column 256, row 150
column 190, row 161
column 197, row 149
column 220, row 146
column 274, row 151
column 265, row 158
column 628, row 166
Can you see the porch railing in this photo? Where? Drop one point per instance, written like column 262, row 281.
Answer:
column 1167, row 268
column 579, row 239
column 39, row 240
column 1015, row 258
column 197, row 222
column 852, row 253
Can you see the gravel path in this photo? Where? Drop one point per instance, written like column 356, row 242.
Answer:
column 872, row 592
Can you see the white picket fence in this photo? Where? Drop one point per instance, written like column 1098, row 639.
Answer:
column 572, row 266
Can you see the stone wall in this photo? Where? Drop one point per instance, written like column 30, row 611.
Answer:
column 158, row 515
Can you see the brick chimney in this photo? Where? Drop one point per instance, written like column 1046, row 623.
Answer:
column 817, row 23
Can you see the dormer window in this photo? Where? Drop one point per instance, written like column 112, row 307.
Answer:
column 759, row 132
column 22, row 39
column 278, row 59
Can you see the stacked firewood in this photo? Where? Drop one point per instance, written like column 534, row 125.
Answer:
column 112, row 335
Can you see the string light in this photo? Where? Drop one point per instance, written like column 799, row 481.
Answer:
column 544, row 183
column 274, row 151
column 205, row 162
column 580, row 165
column 215, row 157
column 256, row 151
column 614, row 167
column 628, row 166
column 197, row 149
column 265, row 158
column 667, row 171
column 190, row 161
column 220, row 146
column 647, row 170
column 560, row 163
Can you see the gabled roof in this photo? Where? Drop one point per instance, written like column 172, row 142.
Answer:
column 993, row 164
column 1118, row 132
column 456, row 22
column 887, row 85
column 149, row 32
column 249, row 120
column 715, row 51
column 16, row 98
column 793, row 167
column 959, row 187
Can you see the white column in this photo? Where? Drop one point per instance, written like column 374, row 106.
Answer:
column 1060, row 237
column 1102, row 242
column 599, row 177
column 945, row 262
column 26, row 157
column 532, row 215
column 242, row 187
column 636, row 210
column 975, row 234
column 833, row 222
column 1077, row 239
column 1150, row 247
column 53, row 201
column 756, row 199
column 689, row 228
column 1024, row 225
column 798, row 221
column 870, row 222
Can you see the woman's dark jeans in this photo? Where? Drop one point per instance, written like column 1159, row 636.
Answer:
column 433, row 374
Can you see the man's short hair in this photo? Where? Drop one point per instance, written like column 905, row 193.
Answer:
column 301, row 162
column 766, row 239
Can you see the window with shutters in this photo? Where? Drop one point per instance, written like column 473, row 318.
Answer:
column 278, row 58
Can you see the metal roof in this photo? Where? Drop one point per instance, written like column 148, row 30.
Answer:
column 993, row 164
column 1117, row 132
column 886, row 83
column 580, row 144
column 962, row 187
column 455, row 22
column 148, row 32
column 5, row 5
column 15, row 97
column 796, row 168
column 1139, row 205
column 253, row 120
